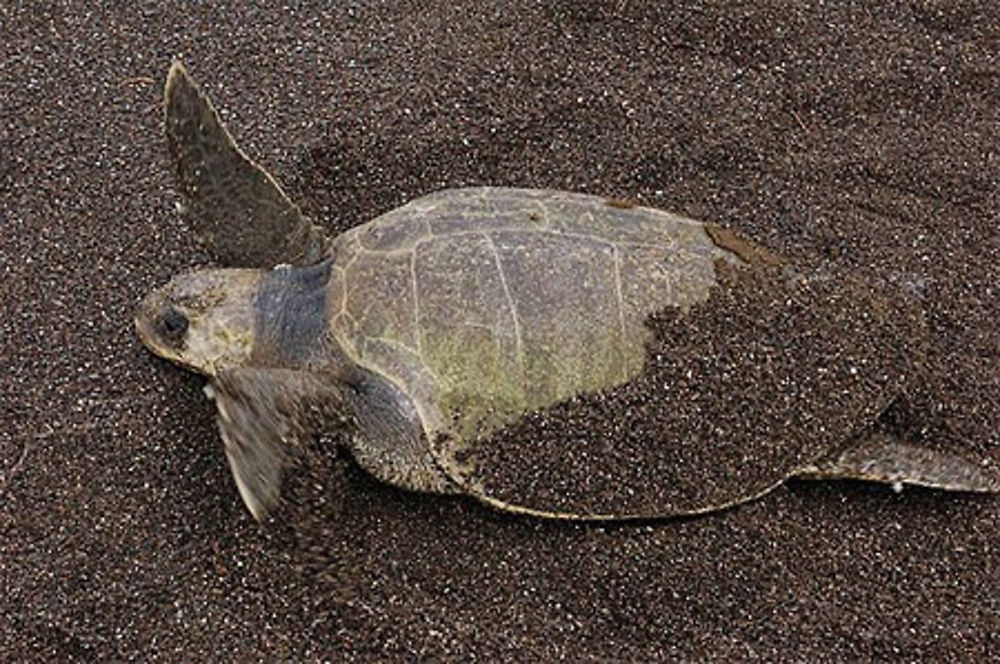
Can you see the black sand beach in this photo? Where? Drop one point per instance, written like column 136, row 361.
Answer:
column 858, row 138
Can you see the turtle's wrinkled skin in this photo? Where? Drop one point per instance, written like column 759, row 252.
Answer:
column 434, row 325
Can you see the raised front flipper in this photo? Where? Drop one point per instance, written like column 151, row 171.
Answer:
column 264, row 417
column 880, row 457
column 237, row 210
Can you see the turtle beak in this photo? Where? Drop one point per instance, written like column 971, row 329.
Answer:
column 143, row 328
column 160, row 326
column 144, row 317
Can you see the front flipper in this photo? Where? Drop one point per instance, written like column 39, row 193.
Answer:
column 880, row 457
column 390, row 442
column 237, row 210
column 264, row 417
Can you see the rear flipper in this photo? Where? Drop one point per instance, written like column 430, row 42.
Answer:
column 880, row 457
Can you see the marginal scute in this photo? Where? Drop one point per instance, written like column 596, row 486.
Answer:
column 399, row 230
column 748, row 252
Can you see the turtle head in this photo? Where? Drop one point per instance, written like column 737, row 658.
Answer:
column 202, row 320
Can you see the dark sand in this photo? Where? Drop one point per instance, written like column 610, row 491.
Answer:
column 857, row 139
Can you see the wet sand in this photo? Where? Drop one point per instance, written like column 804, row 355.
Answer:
column 857, row 140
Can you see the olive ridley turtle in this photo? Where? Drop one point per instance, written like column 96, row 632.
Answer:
column 425, row 331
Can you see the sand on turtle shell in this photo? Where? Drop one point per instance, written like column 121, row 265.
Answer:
column 774, row 370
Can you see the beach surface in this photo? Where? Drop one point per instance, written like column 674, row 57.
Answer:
column 859, row 138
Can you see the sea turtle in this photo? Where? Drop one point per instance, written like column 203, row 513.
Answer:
column 428, row 329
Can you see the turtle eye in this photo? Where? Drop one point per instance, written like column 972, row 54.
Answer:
column 174, row 323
